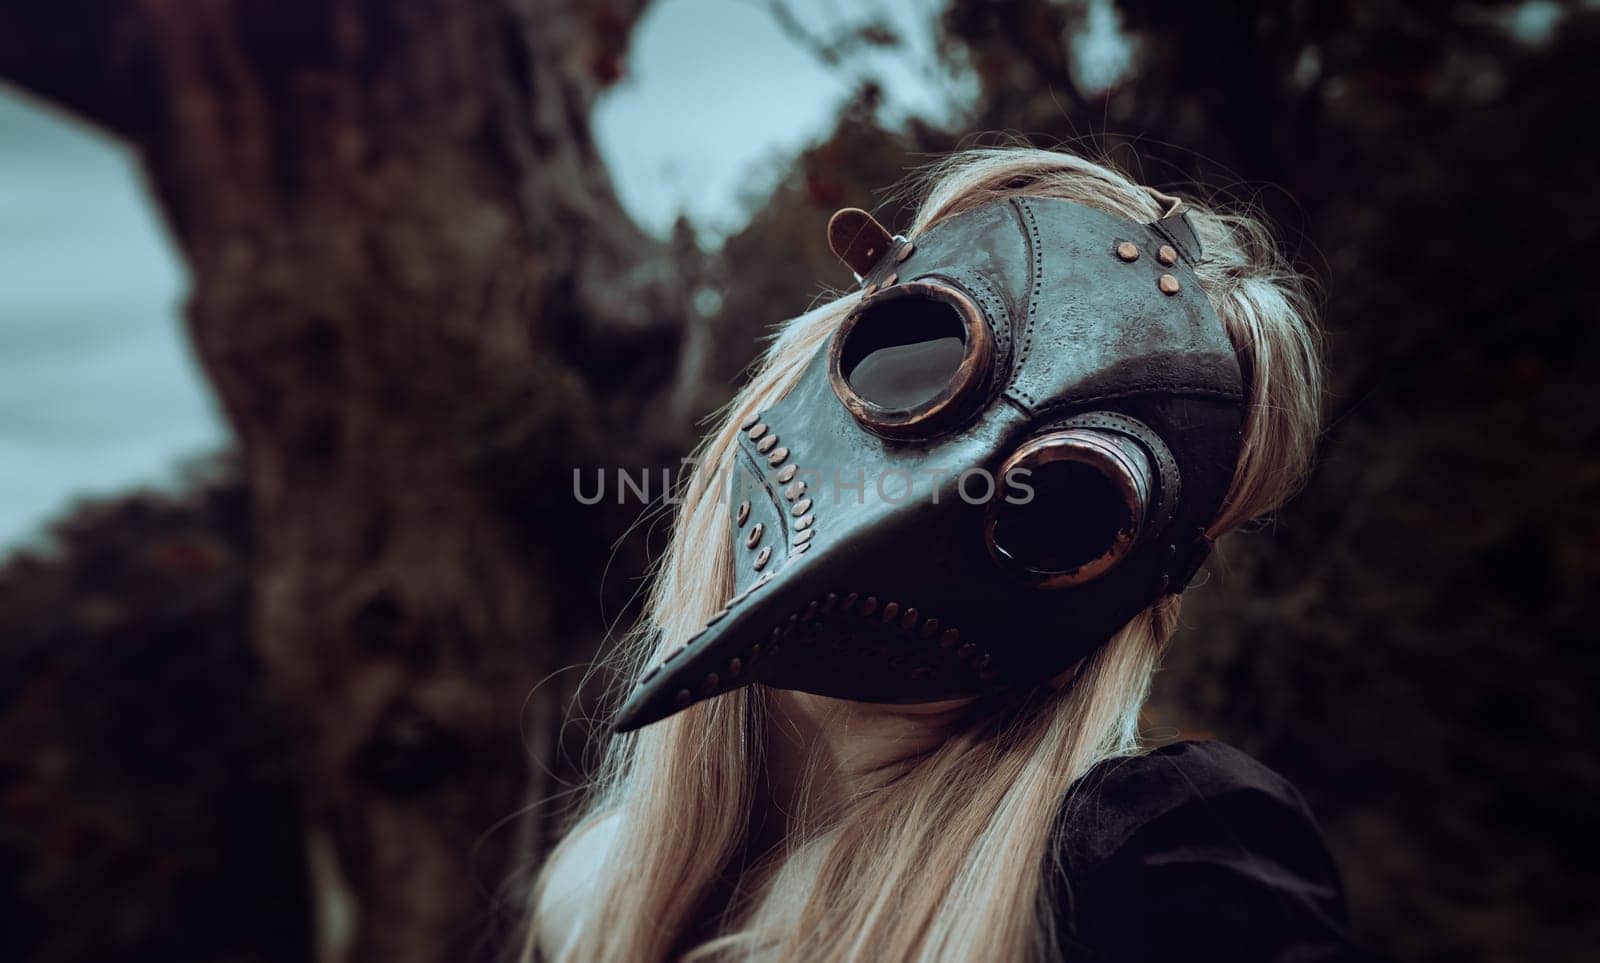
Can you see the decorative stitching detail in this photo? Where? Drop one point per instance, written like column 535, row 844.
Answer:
column 1035, row 284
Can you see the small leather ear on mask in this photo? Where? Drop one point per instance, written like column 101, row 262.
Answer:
column 857, row 239
column 1176, row 228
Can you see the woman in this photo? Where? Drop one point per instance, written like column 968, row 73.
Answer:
column 944, row 530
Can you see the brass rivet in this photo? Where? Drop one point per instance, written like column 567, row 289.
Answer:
column 930, row 628
column 801, row 507
column 735, row 667
column 756, row 432
column 889, row 281
column 777, row 458
column 800, row 538
column 1167, row 255
column 890, row 611
column 869, row 606
column 1128, row 251
column 905, row 252
column 795, row 490
column 683, row 698
column 1168, row 284
column 787, row 473
column 801, row 524
column 909, row 620
column 767, row 444
column 870, row 289
column 753, row 537
column 949, row 638
column 750, row 419
column 744, row 513
column 762, row 557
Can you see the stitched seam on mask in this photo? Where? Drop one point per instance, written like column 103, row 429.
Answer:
column 1035, row 284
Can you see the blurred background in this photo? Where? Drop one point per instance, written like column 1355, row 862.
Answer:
column 308, row 311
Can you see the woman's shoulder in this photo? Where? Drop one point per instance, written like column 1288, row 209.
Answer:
column 1181, row 781
column 1199, row 850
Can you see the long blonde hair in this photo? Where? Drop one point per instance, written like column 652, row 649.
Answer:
column 951, row 861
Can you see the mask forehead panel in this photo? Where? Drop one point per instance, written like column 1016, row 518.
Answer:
column 1101, row 322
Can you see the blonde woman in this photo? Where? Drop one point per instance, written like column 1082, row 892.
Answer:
column 886, row 704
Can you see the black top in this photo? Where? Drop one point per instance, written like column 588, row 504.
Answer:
column 1196, row 852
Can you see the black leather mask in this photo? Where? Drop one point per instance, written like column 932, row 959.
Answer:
column 1009, row 448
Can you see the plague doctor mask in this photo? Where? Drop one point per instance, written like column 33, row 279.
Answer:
column 1012, row 445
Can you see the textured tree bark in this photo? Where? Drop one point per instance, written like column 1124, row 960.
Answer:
column 398, row 230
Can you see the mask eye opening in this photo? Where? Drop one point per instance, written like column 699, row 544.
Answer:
column 911, row 326
column 1090, row 495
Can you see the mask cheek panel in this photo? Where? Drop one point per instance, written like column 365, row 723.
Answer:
column 1079, row 499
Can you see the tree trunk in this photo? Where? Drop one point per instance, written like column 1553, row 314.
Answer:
column 397, row 230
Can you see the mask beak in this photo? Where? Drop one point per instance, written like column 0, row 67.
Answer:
column 845, row 587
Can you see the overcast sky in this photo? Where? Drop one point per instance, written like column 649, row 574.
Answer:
column 99, row 391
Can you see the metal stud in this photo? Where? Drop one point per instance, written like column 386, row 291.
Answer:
column 767, row 444
column 983, row 661
column 871, row 289
column 800, row 507
column 905, row 252
column 1168, row 284
column 1167, row 255
column 966, row 651
column 889, row 281
column 849, row 603
column 757, row 431
column 829, row 603
column 810, row 614
column 786, row 473
column 801, row 524
column 800, row 549
column 930, row 628
column 743, row 514
column 795, row 490
column 909, row 620
column 800, row 538
column 753, row 537
column 949, row 638
column 750, row 420
column 709, row 685
column 777, row 458
column 683, row 698
column 890, row 611
column 1128, row 251
column 762, row 557
column 735, row 666
column 869, row 605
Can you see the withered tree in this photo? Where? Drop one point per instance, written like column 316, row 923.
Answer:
column 399, row 235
